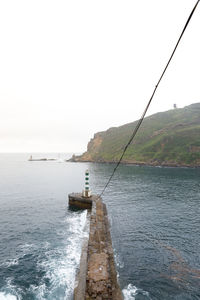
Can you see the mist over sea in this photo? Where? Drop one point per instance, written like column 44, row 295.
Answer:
column 155, row 225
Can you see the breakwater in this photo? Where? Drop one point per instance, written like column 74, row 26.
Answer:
column 97, row 277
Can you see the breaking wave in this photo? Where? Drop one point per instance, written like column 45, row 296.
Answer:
column 4, row 296
column 58, row 264
column 131, row 292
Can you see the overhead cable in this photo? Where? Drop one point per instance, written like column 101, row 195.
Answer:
column 150, row 100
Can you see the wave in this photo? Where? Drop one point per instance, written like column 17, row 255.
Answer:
column 9, row 292
column 4, row 296
column 9, row 263
column 118, row 260
column 23, row 250
column 60, row 264
column 131, row 291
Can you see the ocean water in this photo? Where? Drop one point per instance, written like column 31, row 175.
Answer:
column 155, row 227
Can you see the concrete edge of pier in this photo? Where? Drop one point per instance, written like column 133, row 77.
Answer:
column 97, row 276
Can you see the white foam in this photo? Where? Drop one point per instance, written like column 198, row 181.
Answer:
column 9, row 291
column 39, row 291
column 9, row 263
column 4, row 296
column 61, row 263
column 118, row 260
column 24, row 249
column 131, row 291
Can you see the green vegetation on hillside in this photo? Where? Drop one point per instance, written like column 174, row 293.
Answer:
column 167, row 138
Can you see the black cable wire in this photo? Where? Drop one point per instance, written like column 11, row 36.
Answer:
column 154, row 91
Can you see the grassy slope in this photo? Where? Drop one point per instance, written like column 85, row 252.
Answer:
column 171, row 137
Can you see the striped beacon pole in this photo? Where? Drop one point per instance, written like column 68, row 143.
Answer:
column 87, row 192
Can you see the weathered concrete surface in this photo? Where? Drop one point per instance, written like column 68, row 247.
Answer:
column 101, row 274
column 98, row 267
column 97, row 277
column 77, row 200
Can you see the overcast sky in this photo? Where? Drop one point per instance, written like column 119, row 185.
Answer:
column 69, row 69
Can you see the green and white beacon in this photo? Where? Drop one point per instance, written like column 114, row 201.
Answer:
column 86, row 191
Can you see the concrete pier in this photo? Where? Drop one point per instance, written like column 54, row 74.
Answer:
column 97, row 277
column 77, row 200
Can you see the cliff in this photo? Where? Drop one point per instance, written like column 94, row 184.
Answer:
column 170, row 138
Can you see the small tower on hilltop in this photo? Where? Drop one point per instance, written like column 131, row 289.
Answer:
column 175, row 106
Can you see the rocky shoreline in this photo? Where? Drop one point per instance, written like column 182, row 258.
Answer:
column 136, row 163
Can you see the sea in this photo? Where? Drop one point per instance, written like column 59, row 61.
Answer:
column 154, row 214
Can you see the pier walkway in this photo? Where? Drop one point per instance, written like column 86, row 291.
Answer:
column 97, row 277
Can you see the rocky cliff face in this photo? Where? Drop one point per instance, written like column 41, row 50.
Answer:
column 92, row 149
column 169, row 138
column 93, row 146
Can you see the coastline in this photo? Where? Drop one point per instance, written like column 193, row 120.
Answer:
column 139, row 164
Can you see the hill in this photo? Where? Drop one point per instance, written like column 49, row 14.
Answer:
column 170, row 138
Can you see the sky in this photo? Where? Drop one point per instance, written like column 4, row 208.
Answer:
column 69, row 69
